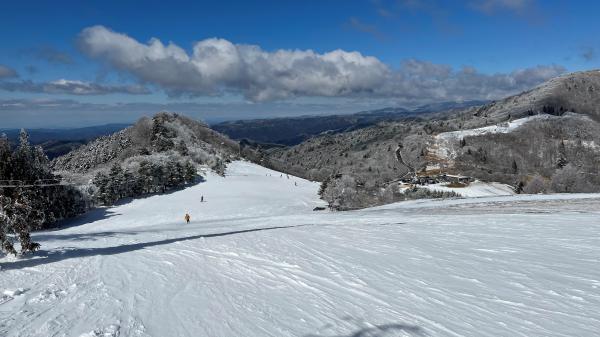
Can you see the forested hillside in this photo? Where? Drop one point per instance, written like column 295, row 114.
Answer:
column 154, row 155
column 543, row 140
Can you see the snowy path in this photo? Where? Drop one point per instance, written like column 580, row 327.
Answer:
column 257, row 261
column 476, row 189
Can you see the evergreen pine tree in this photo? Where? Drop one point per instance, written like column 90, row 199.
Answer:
column 115, row 182
column 190, row 172
column 182, row 148
column 6, row 244
column 101, row 182
column 145, row 177
column 5, row 159
column 22, row 158
column 18, row 217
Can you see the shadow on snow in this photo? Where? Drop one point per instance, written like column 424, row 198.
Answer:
column 105, row 212
column 384, row 330
column 60, row 255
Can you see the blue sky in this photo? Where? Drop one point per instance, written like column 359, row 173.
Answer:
column 69, row 63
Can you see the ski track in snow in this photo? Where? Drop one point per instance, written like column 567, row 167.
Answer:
column 257, row 261
column 505, row 127
column 475, row 189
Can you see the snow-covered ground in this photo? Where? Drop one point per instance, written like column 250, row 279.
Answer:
column 445, row 144
column 497, row 128
column 257, row 261
column 476, row 189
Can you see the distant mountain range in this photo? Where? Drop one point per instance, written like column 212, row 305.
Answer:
column 295, row 130
column 57, row 142
column 265, row 132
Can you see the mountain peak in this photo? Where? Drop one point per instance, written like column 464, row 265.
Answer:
column 573, row 92
column 166, row 133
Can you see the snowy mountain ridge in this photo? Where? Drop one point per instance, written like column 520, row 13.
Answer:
column 165, row 132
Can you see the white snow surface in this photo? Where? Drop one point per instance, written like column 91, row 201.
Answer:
column 497, row 128
column 257, row 261
column 445, row 144
column 476, row 189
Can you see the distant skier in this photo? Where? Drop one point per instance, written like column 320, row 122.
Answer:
column 187, row 218
column 202, row 199
column 295, row 183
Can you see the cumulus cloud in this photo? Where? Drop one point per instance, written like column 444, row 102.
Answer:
column 7, row 72
column 216, row 66
column 419, row 81
column 70, row 87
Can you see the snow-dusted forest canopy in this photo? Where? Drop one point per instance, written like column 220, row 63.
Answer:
column 31, row 197
column 153, row 156
column 150, row 177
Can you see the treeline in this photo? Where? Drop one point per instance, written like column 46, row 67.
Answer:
column 344, row 192
column 149, row 177
column 30, row 196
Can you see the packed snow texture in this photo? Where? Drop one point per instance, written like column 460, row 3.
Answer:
column 498, row 128
column 257, row 261
column 476, row 189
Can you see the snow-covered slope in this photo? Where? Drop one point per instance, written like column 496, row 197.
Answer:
column 257, row 261
column 445, row 144
column 498, row 128
column 476, row 189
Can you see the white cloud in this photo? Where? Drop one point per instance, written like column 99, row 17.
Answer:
column 421, row 81
column 71, row 87
column 216, row 66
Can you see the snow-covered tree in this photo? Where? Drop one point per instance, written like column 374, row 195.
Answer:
column 32, row 199
column 567, row 180
column 150, row 177
column 6, row 228
column 536, row 185
column 190, row 172
column 17, row 218
column 5, row 158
